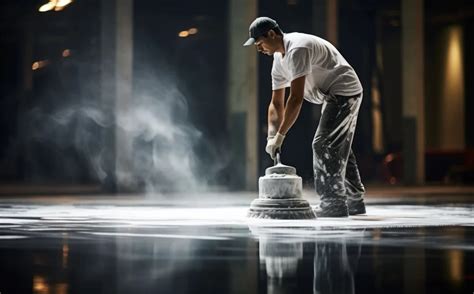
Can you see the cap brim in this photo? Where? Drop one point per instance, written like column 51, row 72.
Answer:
column 249, row 42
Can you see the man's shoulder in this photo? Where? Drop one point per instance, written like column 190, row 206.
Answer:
column 301, row 39
column 296, row 41
column 298, row 35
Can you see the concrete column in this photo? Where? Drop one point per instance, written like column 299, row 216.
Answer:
column 325, row 25
column 452, row 104
column 116, row 83
column 25, row 93
column 413, row 113
column 332, row 21
column 123, row 88
column 242, row 97
column 325, row 19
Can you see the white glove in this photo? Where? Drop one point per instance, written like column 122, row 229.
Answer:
column 274, row 144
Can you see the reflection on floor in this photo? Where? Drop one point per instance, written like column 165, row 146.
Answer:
column 207, row 245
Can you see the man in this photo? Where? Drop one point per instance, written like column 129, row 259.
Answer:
column 314, row 70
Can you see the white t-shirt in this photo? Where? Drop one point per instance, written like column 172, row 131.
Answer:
column 326, row 71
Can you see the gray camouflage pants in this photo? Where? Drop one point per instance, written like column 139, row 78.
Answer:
column 336, row 174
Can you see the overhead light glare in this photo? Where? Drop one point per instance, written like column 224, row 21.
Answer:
column 57, row 5
column 183, row 34
column 193, row 31
column 48, row 6
column 66, row 53
column 39, row 64
column 63, row 3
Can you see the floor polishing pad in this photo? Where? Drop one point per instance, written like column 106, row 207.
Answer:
column 280, row 195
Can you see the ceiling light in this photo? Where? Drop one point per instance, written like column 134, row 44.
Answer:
column 62, row 3
column 183, row 34
column 48, row 6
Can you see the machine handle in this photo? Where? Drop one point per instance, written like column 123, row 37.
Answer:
column 277, row 158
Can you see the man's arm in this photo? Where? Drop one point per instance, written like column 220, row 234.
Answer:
column 276, row 108
column 293, row 105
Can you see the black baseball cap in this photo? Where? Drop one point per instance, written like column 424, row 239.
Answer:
column 259, row 27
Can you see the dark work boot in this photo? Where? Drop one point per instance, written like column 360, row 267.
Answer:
column 332, row 209
column 356, row 206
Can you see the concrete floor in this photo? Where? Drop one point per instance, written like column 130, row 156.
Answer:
column 411, row 241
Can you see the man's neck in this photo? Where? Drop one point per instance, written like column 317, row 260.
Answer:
column 281, row 48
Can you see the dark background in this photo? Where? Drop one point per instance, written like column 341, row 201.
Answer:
column 37, row 147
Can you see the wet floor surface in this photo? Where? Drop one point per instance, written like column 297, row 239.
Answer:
column 94, row 245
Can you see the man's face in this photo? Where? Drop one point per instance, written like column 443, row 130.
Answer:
column 266, row 44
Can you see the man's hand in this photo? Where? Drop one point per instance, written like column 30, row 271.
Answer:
column 274, row 144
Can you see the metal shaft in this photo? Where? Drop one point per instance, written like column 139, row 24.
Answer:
column 277, row 158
